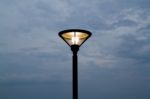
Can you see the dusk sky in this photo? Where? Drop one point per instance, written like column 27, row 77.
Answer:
column 35, row 63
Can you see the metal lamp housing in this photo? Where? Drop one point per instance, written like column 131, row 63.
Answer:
column 75, row 36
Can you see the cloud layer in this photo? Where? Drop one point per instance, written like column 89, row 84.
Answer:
column 113, row 63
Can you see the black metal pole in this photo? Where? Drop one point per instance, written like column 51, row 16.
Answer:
column 75, row 49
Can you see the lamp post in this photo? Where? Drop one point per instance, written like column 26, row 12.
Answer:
column 75, row 38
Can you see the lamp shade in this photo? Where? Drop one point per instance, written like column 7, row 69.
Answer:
column 74, row 36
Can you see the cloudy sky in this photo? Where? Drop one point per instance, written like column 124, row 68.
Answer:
column 36, row 64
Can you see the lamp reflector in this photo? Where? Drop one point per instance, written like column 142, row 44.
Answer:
column 74, row 36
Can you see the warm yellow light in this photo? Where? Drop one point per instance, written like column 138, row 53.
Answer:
column 69, row 35
column 75, row 36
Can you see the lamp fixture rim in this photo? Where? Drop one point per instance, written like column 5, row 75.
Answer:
column 75, row 30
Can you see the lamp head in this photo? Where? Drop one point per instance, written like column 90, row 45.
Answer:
column 75, row 36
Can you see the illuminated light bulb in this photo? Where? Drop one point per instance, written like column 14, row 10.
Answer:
column 75, row 40
column 74, row 36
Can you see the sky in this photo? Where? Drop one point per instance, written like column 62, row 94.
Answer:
column 35, row 63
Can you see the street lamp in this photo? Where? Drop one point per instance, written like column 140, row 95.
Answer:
column 75, row 38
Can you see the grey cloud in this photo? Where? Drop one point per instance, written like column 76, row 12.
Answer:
column 133, row 47
column 33, row 67
column 113, row 63
column 125, row 23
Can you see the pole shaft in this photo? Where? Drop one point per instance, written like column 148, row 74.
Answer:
column 75, row 76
